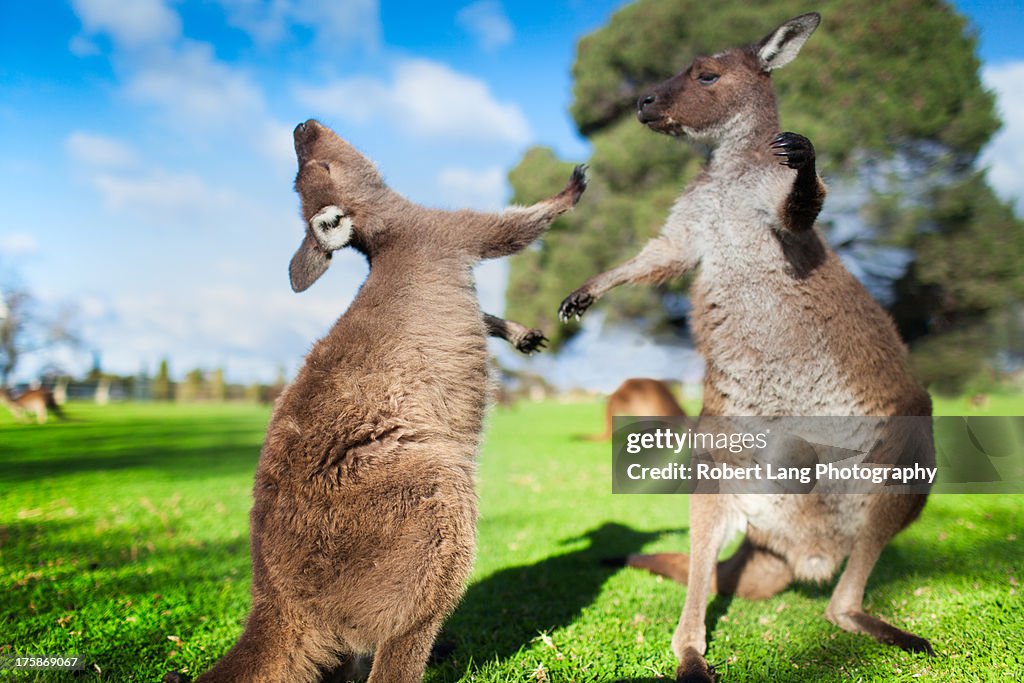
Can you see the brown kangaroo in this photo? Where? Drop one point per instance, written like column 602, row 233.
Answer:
column 364, row 511
column 639, row 396
column 36, row 401
column 784, row 330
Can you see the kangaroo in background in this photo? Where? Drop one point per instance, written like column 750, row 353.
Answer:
column 36, row 401
column 784, row 330
column 639, row 396
column 364, row 511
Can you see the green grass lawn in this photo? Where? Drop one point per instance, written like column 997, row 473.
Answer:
column 123, row 538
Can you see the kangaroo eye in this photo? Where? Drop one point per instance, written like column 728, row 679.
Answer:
column 707, row 78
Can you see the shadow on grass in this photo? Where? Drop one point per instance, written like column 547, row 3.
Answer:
column 229, row 451
column 505, row 611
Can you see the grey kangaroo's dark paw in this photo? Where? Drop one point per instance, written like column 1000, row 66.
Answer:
column 577, row 183
column 694, row 669
column 795, row 150
column 531, row 342
column 914, row 644
column 575, row 305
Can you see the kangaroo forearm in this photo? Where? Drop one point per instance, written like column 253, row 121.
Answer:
column 501, row 328
column 804, row 202
column 658, row 262
column 515, row 228
column 524, row 339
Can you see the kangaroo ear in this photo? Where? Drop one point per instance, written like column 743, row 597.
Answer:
column 308, row 264
column 782, row 45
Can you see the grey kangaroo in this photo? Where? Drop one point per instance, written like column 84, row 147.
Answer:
column 784, row 330
column 364, row 511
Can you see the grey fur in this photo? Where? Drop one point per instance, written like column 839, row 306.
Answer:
column 784, row 330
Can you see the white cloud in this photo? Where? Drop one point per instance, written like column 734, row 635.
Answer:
column 425, row 99
column 194, row 88
column 335, row 24
column 132, row 24
column 83, row 47
column 18, row 244
column 1004, row 155
column 473, row 189
column 251, row 329
column 487, row 22
column 163, row 193
column 189, row 86
column 99, row 150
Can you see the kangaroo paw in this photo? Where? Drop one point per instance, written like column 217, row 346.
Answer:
column 796, row 150
column 694, row 668
column 575, row 305
column 577, row 183
column 531, row 342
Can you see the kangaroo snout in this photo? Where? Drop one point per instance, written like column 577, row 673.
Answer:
column 305, row 135
column 645, row 109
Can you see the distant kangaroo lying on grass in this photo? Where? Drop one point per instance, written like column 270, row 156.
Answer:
column 784, row 330
column 363, row 523
column 639, row 396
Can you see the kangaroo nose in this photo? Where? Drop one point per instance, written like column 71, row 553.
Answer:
column 644, row 101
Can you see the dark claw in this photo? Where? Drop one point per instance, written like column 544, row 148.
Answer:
column 575, row 305
column 577, row 183
column 532, row 342
column 796, row 150
column 915, row 645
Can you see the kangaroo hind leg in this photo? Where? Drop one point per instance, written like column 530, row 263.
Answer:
column 271, row 650
column 403, row 659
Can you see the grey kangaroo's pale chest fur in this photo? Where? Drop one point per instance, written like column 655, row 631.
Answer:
column 757, row 317
column 785, row 330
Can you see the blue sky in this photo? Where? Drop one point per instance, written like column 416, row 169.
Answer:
column 145, row 148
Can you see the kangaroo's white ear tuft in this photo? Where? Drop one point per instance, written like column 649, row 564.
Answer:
column 781, row 46
column 308, row 264
column 331, row 227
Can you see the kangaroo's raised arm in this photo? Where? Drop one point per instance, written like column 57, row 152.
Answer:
column 803, row 202
column 662, row 259
column 523, row 338
column 510, row 231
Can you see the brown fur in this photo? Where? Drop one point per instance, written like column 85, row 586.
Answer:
column 784, row 330
column 641, row 397
column 363, row 520
column 34, row 401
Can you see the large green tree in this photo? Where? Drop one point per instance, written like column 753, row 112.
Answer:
column 890, row 94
